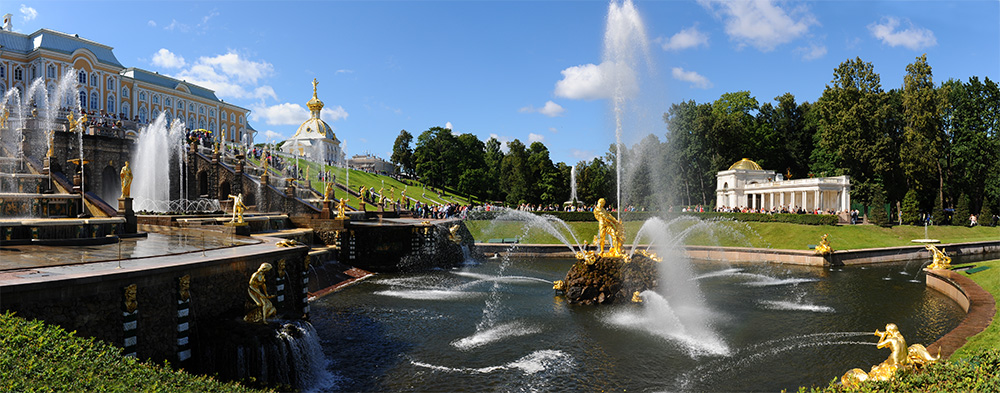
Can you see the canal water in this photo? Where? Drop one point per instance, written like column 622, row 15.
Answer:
column 498, row 326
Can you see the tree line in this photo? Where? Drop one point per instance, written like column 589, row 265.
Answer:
column 920, row 149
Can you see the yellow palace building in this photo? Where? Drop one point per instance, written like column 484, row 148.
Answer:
column 107, row 90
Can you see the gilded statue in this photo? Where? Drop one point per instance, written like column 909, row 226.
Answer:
column 184, row 287
column 608, row 225
column 281, row 267
column 73, row 124
column 258, row 293
column 361, row 199
column 824, row 247
column 238, row 208
column 901, row 357
column 559, row 285
column 341, row 208
column 636, row 297
column 453, row 234
column 941, row 261
column 327, row 191
column 3, row 117
column 131, row 304
column 126, row 176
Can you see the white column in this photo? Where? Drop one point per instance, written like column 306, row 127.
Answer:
column 804, row 200
column 819, row 199
column 781, row 196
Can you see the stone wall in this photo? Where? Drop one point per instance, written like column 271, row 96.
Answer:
column 92, row 303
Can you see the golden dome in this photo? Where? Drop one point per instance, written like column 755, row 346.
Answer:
column 746, row 164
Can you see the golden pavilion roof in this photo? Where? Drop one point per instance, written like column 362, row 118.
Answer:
column 746, row 164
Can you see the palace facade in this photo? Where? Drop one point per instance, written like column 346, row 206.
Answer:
column 746, row 185
column 108, row 90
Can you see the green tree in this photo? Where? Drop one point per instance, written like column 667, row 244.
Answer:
column 911, row 209
column 435, row 156
column 878, row 215
column 690, row 158
column 939, row 216
column 515, row 173
column 852, row 138
column 962, row 212
column 493, row 158
column 923, row 139
column 402, row 153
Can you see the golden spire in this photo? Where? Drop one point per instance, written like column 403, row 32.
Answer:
column 315, row 105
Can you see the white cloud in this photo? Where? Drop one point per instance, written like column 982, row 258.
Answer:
column 229, row 75
column 151, row 23
column 912, row 38
column 551, row 109
column 273, row 136
column 553, row 130
column 293, row 114
column 28, row 13
column 175, row 25
column 344, row 72
column 590, row 81
column 696, row 79
column 167, row 59
column 687, row 38
column 533, row 137
column 761, row 23
column 812, row 52
column 447, row 125
column 583, row 155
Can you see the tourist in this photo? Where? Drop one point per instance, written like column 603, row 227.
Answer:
column 972, row 220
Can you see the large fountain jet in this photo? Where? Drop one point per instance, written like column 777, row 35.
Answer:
column 625, row 46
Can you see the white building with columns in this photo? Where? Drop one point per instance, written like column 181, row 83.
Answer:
column 746, row 184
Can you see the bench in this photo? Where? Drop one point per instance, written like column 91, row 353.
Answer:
column 976, row 269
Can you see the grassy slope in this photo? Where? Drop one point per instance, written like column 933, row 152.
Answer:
column 989, row 279
column 39, row 357
column 373, row 181
column 762, row 235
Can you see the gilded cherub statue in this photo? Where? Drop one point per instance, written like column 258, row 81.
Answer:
column 327, row 191
column 902, row 357
column 258, row 293
column 941, row 261
column 126, row 177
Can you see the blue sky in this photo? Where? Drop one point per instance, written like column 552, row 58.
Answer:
column 515, row 69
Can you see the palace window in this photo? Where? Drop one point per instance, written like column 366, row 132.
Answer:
column 142, row 114
column 111, row 104
column 50, row 71
column 94, row 103
column 201, row 123
column 124, row 110
column 156, row 113
column 83, row 99
column 81, row 77
column 34, row 73
column 180, row 104
column 3, row 72
column 211, row 113
column 191, row 121
column 18, row 74
column 166, row 102
column 241, row 119
column 156, row 99
column 111, row 83
column 93, row 79
column 232, row 117
column 211, row 127
column 124, row 92
column 191, row 107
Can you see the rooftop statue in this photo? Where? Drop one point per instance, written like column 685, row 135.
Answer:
column 941, row 261
column 258, row 293
column 902, row 357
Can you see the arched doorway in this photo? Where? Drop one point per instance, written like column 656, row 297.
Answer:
column 110, row 185
column 224, row 191
column 203, row 184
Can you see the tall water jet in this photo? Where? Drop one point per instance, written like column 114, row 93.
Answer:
column 625, row 43
column 572, row 184
column 151, row 162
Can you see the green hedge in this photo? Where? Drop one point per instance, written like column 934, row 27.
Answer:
column 805, row 219
column 36, row 357
column 978, row 373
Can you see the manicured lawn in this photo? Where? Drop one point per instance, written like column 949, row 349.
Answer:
column 755, row 234
column 375, row 182
column 989, row 279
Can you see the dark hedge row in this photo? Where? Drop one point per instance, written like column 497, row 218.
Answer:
column 37, row 357
column 805, row 219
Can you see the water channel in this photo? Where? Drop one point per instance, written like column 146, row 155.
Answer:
column 779, row 327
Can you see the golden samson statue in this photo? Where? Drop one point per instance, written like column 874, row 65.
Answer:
column 941, row 261
column 901, row 357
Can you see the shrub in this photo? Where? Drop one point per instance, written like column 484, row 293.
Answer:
column 911, row 209
column 977, row 373
column 961, row 216
column 35, row 356
column 805, row 219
